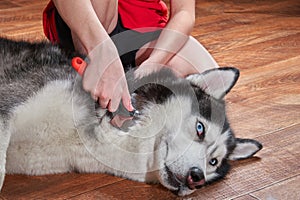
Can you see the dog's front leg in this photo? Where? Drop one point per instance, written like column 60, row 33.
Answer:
column 4, row 142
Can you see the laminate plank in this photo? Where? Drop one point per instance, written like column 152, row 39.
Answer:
column 30, row 32
column 273, row 7
column 32, row 11
column 245, row 197
column 6, row 4
column 288, row 189
column 281, row 8
column 128, row 190
column 58, row 186
column 23, row 3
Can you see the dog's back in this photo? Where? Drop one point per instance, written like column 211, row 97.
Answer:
column 27, row 67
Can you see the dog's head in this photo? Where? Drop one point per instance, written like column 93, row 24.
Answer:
column 198, row 140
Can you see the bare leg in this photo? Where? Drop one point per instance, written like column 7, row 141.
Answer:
column 192, row 58
column 107, row 13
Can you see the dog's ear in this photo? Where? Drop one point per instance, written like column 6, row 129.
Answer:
column 215, row 82
column 245, row 148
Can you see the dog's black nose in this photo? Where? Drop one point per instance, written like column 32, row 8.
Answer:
column 195, row 178
column 196, row 174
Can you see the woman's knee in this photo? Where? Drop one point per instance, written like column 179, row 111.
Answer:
column 196, row 54
column 107, row 13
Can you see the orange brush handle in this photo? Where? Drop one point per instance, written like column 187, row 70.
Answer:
column 79, row 65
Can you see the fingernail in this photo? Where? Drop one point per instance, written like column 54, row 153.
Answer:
column 131, row 107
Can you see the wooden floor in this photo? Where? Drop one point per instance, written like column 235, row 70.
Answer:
column 262, row 39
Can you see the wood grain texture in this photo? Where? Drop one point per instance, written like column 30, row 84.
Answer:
column 288, row 189
column 60, row 186
column 262, row 39
column 245, row 197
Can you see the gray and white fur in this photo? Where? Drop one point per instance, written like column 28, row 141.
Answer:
column 49, row 124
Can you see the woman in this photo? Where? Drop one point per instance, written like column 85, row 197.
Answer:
column 93, row 23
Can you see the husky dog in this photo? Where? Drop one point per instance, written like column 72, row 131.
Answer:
column 49, row 124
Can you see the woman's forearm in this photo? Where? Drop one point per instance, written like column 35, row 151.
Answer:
column 175, row 34
column 80, row 16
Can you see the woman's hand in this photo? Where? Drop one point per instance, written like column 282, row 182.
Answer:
column 171, row 40
column 105, row 79
column 104, row 76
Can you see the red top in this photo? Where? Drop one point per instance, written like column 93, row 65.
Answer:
column 49, row 23
column 143, row 13
column 134, row 14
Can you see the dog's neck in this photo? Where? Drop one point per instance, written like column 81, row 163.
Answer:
column 144, row 145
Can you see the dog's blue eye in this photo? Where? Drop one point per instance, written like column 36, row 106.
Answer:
column 213, row 162
column 200, row 130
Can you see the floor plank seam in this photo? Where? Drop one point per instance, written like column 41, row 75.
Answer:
column 103, row 186
column 267, row 186
column 253, row 196
column 250, row 193
column 277, row 130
